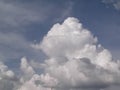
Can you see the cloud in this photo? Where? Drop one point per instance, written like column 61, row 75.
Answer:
column 5, row 72
column 8, row 80
column 17, row 19
column 13, row 46
column 75, row 59
column 27, row 70
column 16, row 14
column 114, row 3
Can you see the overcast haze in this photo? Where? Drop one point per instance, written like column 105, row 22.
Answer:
column 59, row 44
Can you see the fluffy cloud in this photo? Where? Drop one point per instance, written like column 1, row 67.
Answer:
column 27, row 70
column 8, row 80
column 4, row 72
column 76, row 60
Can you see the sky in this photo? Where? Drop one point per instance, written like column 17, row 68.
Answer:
column 42, row 40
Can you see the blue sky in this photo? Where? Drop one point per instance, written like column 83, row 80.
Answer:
column 26, row 22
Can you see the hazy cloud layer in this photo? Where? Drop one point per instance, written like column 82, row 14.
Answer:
column 114, row 3
column 17, row 14
column 13, row 46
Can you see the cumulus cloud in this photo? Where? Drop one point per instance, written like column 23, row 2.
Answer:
column 8, row 80
column 4, row 71
column 27, row 70
column 76, row 60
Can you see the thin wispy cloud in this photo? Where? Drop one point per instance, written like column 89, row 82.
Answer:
column 114, row 3
column 17, row 14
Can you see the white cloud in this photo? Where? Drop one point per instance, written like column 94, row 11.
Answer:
column 5, row 72
column 27, row 70
column 31, row 84
column 76, row 60
column 8, row 80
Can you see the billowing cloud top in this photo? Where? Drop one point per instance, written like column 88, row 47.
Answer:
column 75, row 61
